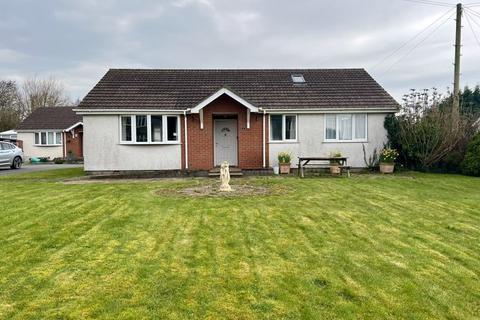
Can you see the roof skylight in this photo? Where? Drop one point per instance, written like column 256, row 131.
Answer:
column 298, row 78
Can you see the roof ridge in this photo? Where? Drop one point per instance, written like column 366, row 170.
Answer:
column 236, row 69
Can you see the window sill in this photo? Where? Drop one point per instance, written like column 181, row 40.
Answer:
column 345, row 141
column 47, row 145
column 149, row 143
column 283, row 142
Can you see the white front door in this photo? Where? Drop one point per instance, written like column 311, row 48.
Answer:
column 225, row 141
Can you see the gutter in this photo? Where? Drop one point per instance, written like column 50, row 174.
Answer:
column 82, row 111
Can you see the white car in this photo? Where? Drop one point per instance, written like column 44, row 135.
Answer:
column 10, row 155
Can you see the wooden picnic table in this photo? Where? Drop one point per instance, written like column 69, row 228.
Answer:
column 303, row 161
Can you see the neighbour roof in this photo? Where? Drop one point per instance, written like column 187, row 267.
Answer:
column 50, row 118
column 263, row 88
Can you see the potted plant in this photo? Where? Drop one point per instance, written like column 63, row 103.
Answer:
column 335, row 166
column 284, row 161
column 387, row 160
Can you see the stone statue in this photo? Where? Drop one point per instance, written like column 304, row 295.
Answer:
column 224, row 177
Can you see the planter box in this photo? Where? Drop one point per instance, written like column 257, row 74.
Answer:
column 335, row 169
column 387, row 167
column 284, row 168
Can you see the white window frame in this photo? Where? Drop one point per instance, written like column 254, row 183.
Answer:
column 284, row 128
column 149, row 141
column 353, row 115
column 48, row 144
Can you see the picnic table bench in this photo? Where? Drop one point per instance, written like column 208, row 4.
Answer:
column 304, row 161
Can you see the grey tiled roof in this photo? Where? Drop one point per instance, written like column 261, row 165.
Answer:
column 264, row 88
column 50, row 118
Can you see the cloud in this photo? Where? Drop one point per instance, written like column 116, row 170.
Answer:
column 77, row 41
column 9, row 55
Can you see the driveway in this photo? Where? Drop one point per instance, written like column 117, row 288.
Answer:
column 36, row 168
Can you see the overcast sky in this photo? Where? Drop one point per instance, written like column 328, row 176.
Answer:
column 78, row 41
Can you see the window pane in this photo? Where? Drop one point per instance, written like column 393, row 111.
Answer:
column 172, row 134
column 331, row 125
column 58, row 138
column 37, row 138
column 360, row 126
column 157, row 128
column 345, row 127
column 43, row 136
column 126, row 128
column 290, row 128
column 276, row 127
column 50, row 138
column 141, row 122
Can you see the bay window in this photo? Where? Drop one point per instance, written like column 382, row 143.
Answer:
column 48, row 138
column 283, row 127
column 149, row 129
column 346, row 127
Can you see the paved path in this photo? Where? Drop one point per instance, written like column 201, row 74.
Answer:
column 36, row 168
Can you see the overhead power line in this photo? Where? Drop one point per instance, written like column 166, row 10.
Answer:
column 410, row 40
column 475, row 13
column 432, row 3
column 419, row 43
column 473, row 18
column 471, row 28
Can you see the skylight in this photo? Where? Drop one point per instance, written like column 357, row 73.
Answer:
column 298, row 78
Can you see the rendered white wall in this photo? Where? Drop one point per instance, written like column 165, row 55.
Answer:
column 103, row 151
column 30, row 150
column 311, row 141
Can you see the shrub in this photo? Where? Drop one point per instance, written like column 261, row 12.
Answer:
column 372, row 161
column 284, row 157
column 335, row 154
column 427, row 130
column 388, row 155
column 471, row 162
column 58, row 160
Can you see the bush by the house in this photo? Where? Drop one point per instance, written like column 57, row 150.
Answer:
column 59, row 160
column 371, row 161
column 471, row 163
column 427, row 131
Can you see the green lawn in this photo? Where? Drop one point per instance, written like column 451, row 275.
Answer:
column 369, row 247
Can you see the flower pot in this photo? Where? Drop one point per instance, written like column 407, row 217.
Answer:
column 335, row 169
column 284, row 168
column 387, row 167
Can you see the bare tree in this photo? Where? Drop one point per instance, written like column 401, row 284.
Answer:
column 10, row 106
column 37, row 93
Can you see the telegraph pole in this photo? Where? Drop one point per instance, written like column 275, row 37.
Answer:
column 458, row 46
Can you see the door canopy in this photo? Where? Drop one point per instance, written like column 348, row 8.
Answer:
column 199, row 108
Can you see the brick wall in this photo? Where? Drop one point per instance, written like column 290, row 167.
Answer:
column 74, row 144
column 250, row 141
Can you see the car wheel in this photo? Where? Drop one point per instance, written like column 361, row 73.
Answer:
column 17, row 163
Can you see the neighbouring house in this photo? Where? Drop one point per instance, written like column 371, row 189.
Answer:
column 52, row 132
column 138, row 119
column 8, row 135
column 11, row 136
